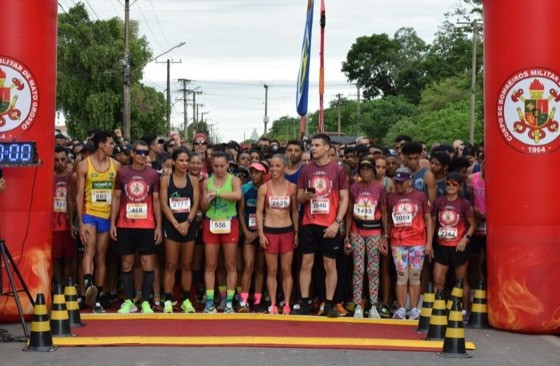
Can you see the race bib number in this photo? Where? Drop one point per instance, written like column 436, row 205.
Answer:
column 364, row 211
column 402, row 219
column 180, row 204
column 220, row 226
column 320, row 206
column 447, row 233
column 101, row 193
column 279, row 202
column 137, row 211
column 60, row 205
column 253, row 221
column 481, row 228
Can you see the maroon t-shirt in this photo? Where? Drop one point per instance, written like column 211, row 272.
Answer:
column 136, row 210
column 367, row 200
column 407, row 216
column 327, row 180
column 451, row 219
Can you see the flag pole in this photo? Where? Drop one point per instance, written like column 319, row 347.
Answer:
column 321, row 124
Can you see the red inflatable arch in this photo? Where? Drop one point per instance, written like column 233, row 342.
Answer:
column 522, row 107
column 28, row 82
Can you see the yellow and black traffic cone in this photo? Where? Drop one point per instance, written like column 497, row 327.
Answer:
column 456, row 293
column 479, row 311
column 454, row 342
column 72, row 306
column 60, row 322
column 438, row 319
column 426, row 312
column 40, row 339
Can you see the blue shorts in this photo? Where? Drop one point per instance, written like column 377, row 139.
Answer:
column 101, row 225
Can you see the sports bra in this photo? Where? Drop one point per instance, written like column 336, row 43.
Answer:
column 278, row 202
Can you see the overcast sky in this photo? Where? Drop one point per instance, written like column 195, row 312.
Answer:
column 234, row 47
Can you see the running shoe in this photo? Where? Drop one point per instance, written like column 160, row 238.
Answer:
column 373, row 313
column 358, row 312
column 157, row 306
column 465, row 315
column 104, row 301
column 302, row 308
column 384, row 311
column 286, row 309
column 330, row 311
column 210, row 308
column 243, row 307
column 168, row 307
column 261, row 307
column 82, row 302
column 187, row 306
column 414, row 314
column 146, row 308
column 400, row 314
column 91, row 294
column 97, row 308
column 321, row 309
column 222, row 305
column 273, row 309
column 229, row 308
column 127, row 307
column 340, row 309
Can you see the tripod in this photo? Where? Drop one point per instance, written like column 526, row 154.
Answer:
column 8, row 260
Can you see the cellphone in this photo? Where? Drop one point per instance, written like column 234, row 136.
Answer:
column 1, row 173
column 311, row 189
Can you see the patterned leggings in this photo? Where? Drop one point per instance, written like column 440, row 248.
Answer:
column 360, row 246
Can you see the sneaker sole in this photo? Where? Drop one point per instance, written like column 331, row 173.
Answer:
column 91, row 294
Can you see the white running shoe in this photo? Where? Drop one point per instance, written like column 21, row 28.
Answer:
column 373, row 313
column 358, row 312
column 400, row 314
column 414, row 314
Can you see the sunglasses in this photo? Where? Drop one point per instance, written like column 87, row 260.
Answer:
column 171, row 146
column 452, row 183
column 200, row 142
column 141, row 152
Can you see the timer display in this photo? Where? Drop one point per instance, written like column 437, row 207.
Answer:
column 18, row 153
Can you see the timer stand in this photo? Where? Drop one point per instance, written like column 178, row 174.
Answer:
column 8, row 260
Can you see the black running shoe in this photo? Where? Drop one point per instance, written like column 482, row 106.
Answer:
column 330, row 311
column 302, row 308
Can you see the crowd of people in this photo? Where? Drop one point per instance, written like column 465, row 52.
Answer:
column 303, row 227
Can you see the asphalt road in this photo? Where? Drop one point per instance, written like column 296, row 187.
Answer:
column 493, row 348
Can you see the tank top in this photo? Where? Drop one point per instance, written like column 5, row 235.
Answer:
column 180, row 199
column 60, row 209
column 441, row 189
column 99, row 189
column 250, row 197
column 479, row 193
column 219, row 207
column 418, row 180
column 278, row 202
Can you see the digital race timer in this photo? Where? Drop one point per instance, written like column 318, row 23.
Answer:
column 18, row 153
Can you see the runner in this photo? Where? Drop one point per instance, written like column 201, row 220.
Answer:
column 248, row 212
column 277, row 230
column 94, row 190
column 423, row 179
column 367, row 220
column 179, row 196
column 411, row 239
column 455, row 224
column 221, row 228
column 294, row 152
column 323, row 191
column 62, row 243
column 136, row 223
column 477, row 195
column 440, row 165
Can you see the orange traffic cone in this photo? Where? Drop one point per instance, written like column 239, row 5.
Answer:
column 426, row 312
column 40, row 339
column 454, row 342
column 438, row 319
column 60, row 323
column 72, row 306
column 479, row 311
column 456, row 293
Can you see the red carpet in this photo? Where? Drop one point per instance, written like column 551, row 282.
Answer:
column 252, row 330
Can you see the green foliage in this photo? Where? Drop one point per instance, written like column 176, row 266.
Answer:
column 90, row 76
column 285, row 128
column 380, row 114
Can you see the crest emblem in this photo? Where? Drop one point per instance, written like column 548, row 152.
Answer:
column 527, row 106
column 19, row 98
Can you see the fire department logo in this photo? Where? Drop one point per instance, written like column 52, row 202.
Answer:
column 448, row 217
column 136, row 190
column 321, row 184
column 19, row 98
column 527, row 106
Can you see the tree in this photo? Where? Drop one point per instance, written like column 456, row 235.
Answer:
column 409, row 67
column 284, row 128
column 369, row 63
column 380, row 114
column 89, row 76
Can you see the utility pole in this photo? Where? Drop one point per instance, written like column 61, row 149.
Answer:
column 198, row 105
column 126, row 80
column 194, row 109
column 265, row 119
column 474, row 25
column 169, row 62
column 185, row 117
column 339, row 104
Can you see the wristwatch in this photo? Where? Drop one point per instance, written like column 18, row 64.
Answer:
column 338, row 221
column 189, row 220
column 468, row 237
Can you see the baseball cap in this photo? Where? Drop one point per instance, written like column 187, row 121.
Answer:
column 259, row 167
column 457, row 177
column 365, row 163
column 402, row 174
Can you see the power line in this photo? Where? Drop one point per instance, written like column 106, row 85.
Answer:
column 159, row 24
column 149, row 28
column 92, row 10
